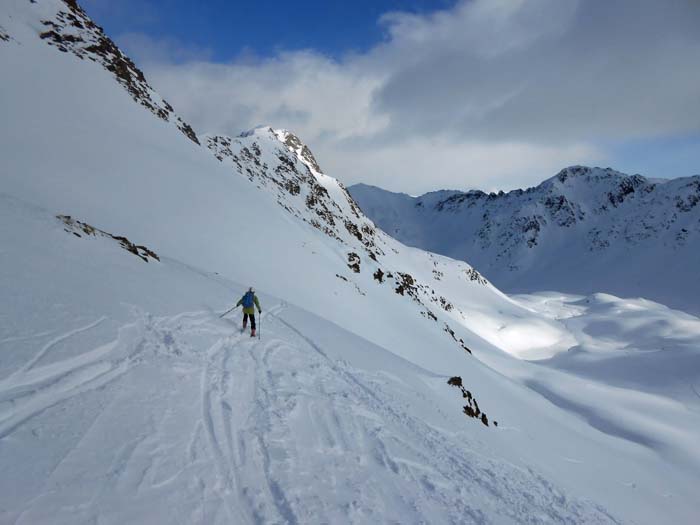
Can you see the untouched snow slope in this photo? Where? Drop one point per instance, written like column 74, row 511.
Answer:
column 124, row 398
column 584, row 230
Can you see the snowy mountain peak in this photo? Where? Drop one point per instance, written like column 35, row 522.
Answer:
column 577, row 171
column 291, row 141
column 279, row 159
column 260, row 130
column 601, row 180
column 264, row 156
column 302, row 151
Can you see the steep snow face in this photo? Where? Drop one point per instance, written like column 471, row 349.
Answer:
column 584, row 230
column 125, row 398
column 70, row 30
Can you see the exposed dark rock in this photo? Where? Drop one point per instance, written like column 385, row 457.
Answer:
column 454, row 337
column 473, row 275
column 292, row 187
column 573, row 171
column 353, row 229
column 354, row 262
column 406, row 285
column 445, row 304
column 562, row 210
column 75, row 226
column 692, row 199
column 625, row 188
column 296, row 145
column 430, row 315
column 455, row 381
column 471, row 409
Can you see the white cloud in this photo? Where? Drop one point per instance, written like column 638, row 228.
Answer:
column 491, row 93
column 161, row 51
column 311, row 94
column 417, row 166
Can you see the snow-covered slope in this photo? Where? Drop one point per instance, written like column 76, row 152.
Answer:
column 124, row 398
column 584, row 230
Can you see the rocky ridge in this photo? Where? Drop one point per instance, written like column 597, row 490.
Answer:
column 570, row 230
column 71, row 30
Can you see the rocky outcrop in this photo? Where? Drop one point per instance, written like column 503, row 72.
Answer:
column 80, row 229
column 471, row 409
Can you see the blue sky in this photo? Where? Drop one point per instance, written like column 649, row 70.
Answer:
column 222, row 29
column 666, row 157
column 417, row 95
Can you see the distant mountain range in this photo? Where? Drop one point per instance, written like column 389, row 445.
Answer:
column 584, row 230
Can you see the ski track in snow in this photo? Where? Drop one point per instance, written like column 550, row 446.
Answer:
column 32, row 362
column 31, row 390
column 284, row 434
column 15, row 339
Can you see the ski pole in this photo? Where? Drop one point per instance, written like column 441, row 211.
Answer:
column 259, row 325
column 227, row 311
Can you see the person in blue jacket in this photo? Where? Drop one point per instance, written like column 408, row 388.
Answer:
column 249, row 301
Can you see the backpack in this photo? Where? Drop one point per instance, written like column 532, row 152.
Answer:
column 248, row 299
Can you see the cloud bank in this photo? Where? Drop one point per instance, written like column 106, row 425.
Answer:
column 493, row 94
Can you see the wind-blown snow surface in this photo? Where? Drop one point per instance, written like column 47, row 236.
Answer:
column 124, row 398
column 584, row 230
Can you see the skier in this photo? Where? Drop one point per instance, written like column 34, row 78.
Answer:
column 249, row 302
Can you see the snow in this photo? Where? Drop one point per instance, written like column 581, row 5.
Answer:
column 159, row 402
column 134, row 390
column 633, row 343
column 125, row 398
